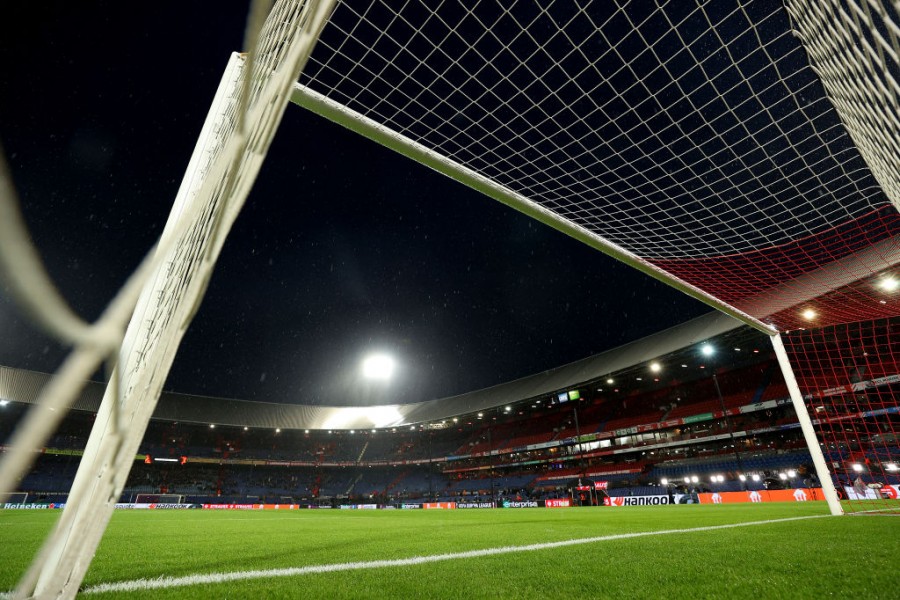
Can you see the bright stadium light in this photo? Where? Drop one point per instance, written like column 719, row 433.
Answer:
column 4, row 402
column 707, row 350
column 610, row 381
column 742, row 477
column 791, row 473
column 378, row 366
column 687, row 479
column 889, row 284
column 754, row 477
column 809, row 314
column 694, row 479
column 891, row 467
column 664, row 481
column 857, row 467
column 654, row 366
column 782, row 476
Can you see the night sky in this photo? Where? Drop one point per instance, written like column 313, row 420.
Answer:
column 342, row 248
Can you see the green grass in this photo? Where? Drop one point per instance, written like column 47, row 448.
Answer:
column 827, row 557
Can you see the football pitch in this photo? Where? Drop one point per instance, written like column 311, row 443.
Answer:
column 790, row 550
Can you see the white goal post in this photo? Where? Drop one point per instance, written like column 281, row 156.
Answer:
column 239, row 128
column 364, row 126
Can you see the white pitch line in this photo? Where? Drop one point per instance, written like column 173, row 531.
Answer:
column 214, row 578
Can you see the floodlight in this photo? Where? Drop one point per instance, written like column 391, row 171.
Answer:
column 754, row 477
column 278, row 430
column 742, row 477
column 378, row 366
column 782, row 476
column 664, row 481
column 889, row 284
column 809, row 314
column 655, row 367
column 4, row 402
column 610, row 381
column 791, row 473
column 694, row 479
column 212, row 426
column 891, row 467
column 687, row 479
column 707, row 350
column 857, row 467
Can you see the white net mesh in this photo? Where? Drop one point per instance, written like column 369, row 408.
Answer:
column 674, row 131
column 855, row 48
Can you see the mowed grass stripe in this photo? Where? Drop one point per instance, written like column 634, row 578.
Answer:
column 216, row 578
column 789, row 557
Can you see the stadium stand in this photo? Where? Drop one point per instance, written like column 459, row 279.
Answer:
column 727, row 418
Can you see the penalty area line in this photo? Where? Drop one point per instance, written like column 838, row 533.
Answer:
column 214, row 578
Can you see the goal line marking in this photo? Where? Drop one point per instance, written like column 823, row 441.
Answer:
column 214, row 578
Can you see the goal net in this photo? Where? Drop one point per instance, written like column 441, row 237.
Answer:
column 158, row 499
column 745, row 153
column 16, row 499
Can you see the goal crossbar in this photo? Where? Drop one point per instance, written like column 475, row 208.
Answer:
column 321, row 105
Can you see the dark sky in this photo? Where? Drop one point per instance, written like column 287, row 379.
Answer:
column 342, row 248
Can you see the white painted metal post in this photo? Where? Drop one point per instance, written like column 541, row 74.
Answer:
column 381, row 134
column 809, row 434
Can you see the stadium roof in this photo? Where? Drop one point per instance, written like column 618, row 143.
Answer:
column 23, row 386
